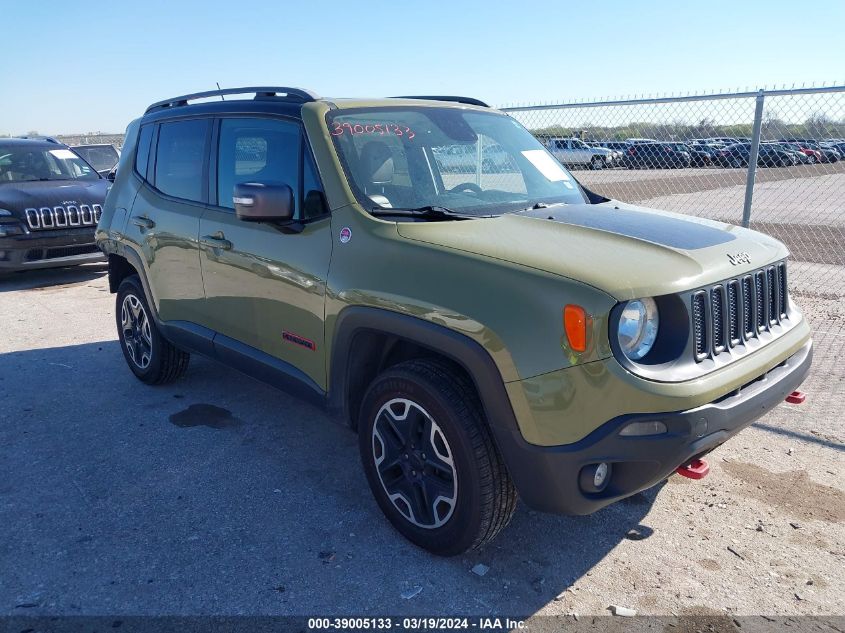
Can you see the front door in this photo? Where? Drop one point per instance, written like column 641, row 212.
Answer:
column 265, row 284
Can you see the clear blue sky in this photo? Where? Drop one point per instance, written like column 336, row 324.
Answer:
column 87, row 66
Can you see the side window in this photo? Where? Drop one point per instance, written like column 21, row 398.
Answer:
column 180, row 157
column 256, row 150
column 142, row 154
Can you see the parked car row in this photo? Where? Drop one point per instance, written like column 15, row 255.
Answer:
column 722, row 151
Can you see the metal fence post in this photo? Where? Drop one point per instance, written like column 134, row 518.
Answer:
column 752, row 159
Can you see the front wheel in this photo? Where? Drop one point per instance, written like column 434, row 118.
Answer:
column 152, row 358
column 430, row 460
column 597, row 162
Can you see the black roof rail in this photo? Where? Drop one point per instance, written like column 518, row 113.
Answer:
column 294, row 94
column 467, row 100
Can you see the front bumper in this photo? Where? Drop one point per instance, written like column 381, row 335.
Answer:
column 49, row 249
column 547, row 476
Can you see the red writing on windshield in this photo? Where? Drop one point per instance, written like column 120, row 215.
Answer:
column 378, row 129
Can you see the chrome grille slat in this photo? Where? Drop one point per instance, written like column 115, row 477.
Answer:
column 717, row 315
column 700, row 336
column 61, row 217
column 46, row 214
column 733, row 312
column 783, row 292
column 734, row 327
column 748, row 306
column 760, row 299
column 774, row 301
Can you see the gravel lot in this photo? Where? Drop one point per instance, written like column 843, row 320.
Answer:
column 220, row 495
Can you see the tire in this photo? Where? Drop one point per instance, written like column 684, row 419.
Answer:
column 152, row 358
column 596, row 163
column 424, row 406
column 812, row 160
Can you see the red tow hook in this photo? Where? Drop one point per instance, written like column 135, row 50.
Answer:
column 796, row 397
column 697, row 469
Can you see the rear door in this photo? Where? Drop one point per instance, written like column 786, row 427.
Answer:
column 265, row 284
column 164, row 219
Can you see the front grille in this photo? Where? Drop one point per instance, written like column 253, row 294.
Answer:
column 62, row 217
column 727, row 314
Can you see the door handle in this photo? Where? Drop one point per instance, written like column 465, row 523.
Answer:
column 143, row 222
column 217, row 240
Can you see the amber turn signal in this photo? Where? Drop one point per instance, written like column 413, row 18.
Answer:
column 575, row 324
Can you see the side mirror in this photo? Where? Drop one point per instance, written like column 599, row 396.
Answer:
column 261, row 202
column 112, row 174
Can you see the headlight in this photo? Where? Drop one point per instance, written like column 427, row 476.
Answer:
column 7, row 230
column 638, row 325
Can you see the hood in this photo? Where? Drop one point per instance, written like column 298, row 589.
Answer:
column 17, row 196
column 623, row 250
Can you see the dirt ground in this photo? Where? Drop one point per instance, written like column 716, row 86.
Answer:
column 221, row 495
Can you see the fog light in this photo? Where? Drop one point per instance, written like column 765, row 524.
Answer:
column 652, row 427
column 600, row 475
column 595, row 477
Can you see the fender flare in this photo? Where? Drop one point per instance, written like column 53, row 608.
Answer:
column 518, row 455
column 459, row 348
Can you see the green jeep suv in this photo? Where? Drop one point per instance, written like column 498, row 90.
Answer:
column 428, row 271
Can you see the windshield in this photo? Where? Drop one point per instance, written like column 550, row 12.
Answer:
column 26, row 164
column 476, row 162
column 100, row 158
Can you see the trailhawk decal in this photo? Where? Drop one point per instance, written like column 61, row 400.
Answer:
column 296, row 339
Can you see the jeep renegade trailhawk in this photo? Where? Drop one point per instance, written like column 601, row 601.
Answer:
column 487, row 325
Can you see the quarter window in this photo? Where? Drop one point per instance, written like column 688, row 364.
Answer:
column 142, row 155
column 180, row 158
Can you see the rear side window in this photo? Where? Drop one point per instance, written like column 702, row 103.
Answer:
column 257, row 150
column 142, row 155
column 180, row 157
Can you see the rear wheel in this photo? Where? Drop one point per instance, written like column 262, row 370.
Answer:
column 597, row 162
column 430, row 460
column 152, row 358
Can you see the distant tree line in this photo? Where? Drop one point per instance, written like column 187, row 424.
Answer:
column 817, row 126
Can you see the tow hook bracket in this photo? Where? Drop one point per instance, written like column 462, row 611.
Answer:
column 697, row 469
column 796, row 397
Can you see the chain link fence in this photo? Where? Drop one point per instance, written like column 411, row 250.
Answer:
column 771, row 160
column 91, row 139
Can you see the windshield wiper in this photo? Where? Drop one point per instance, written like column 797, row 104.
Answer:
column 538, row 205
column 429, row 212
